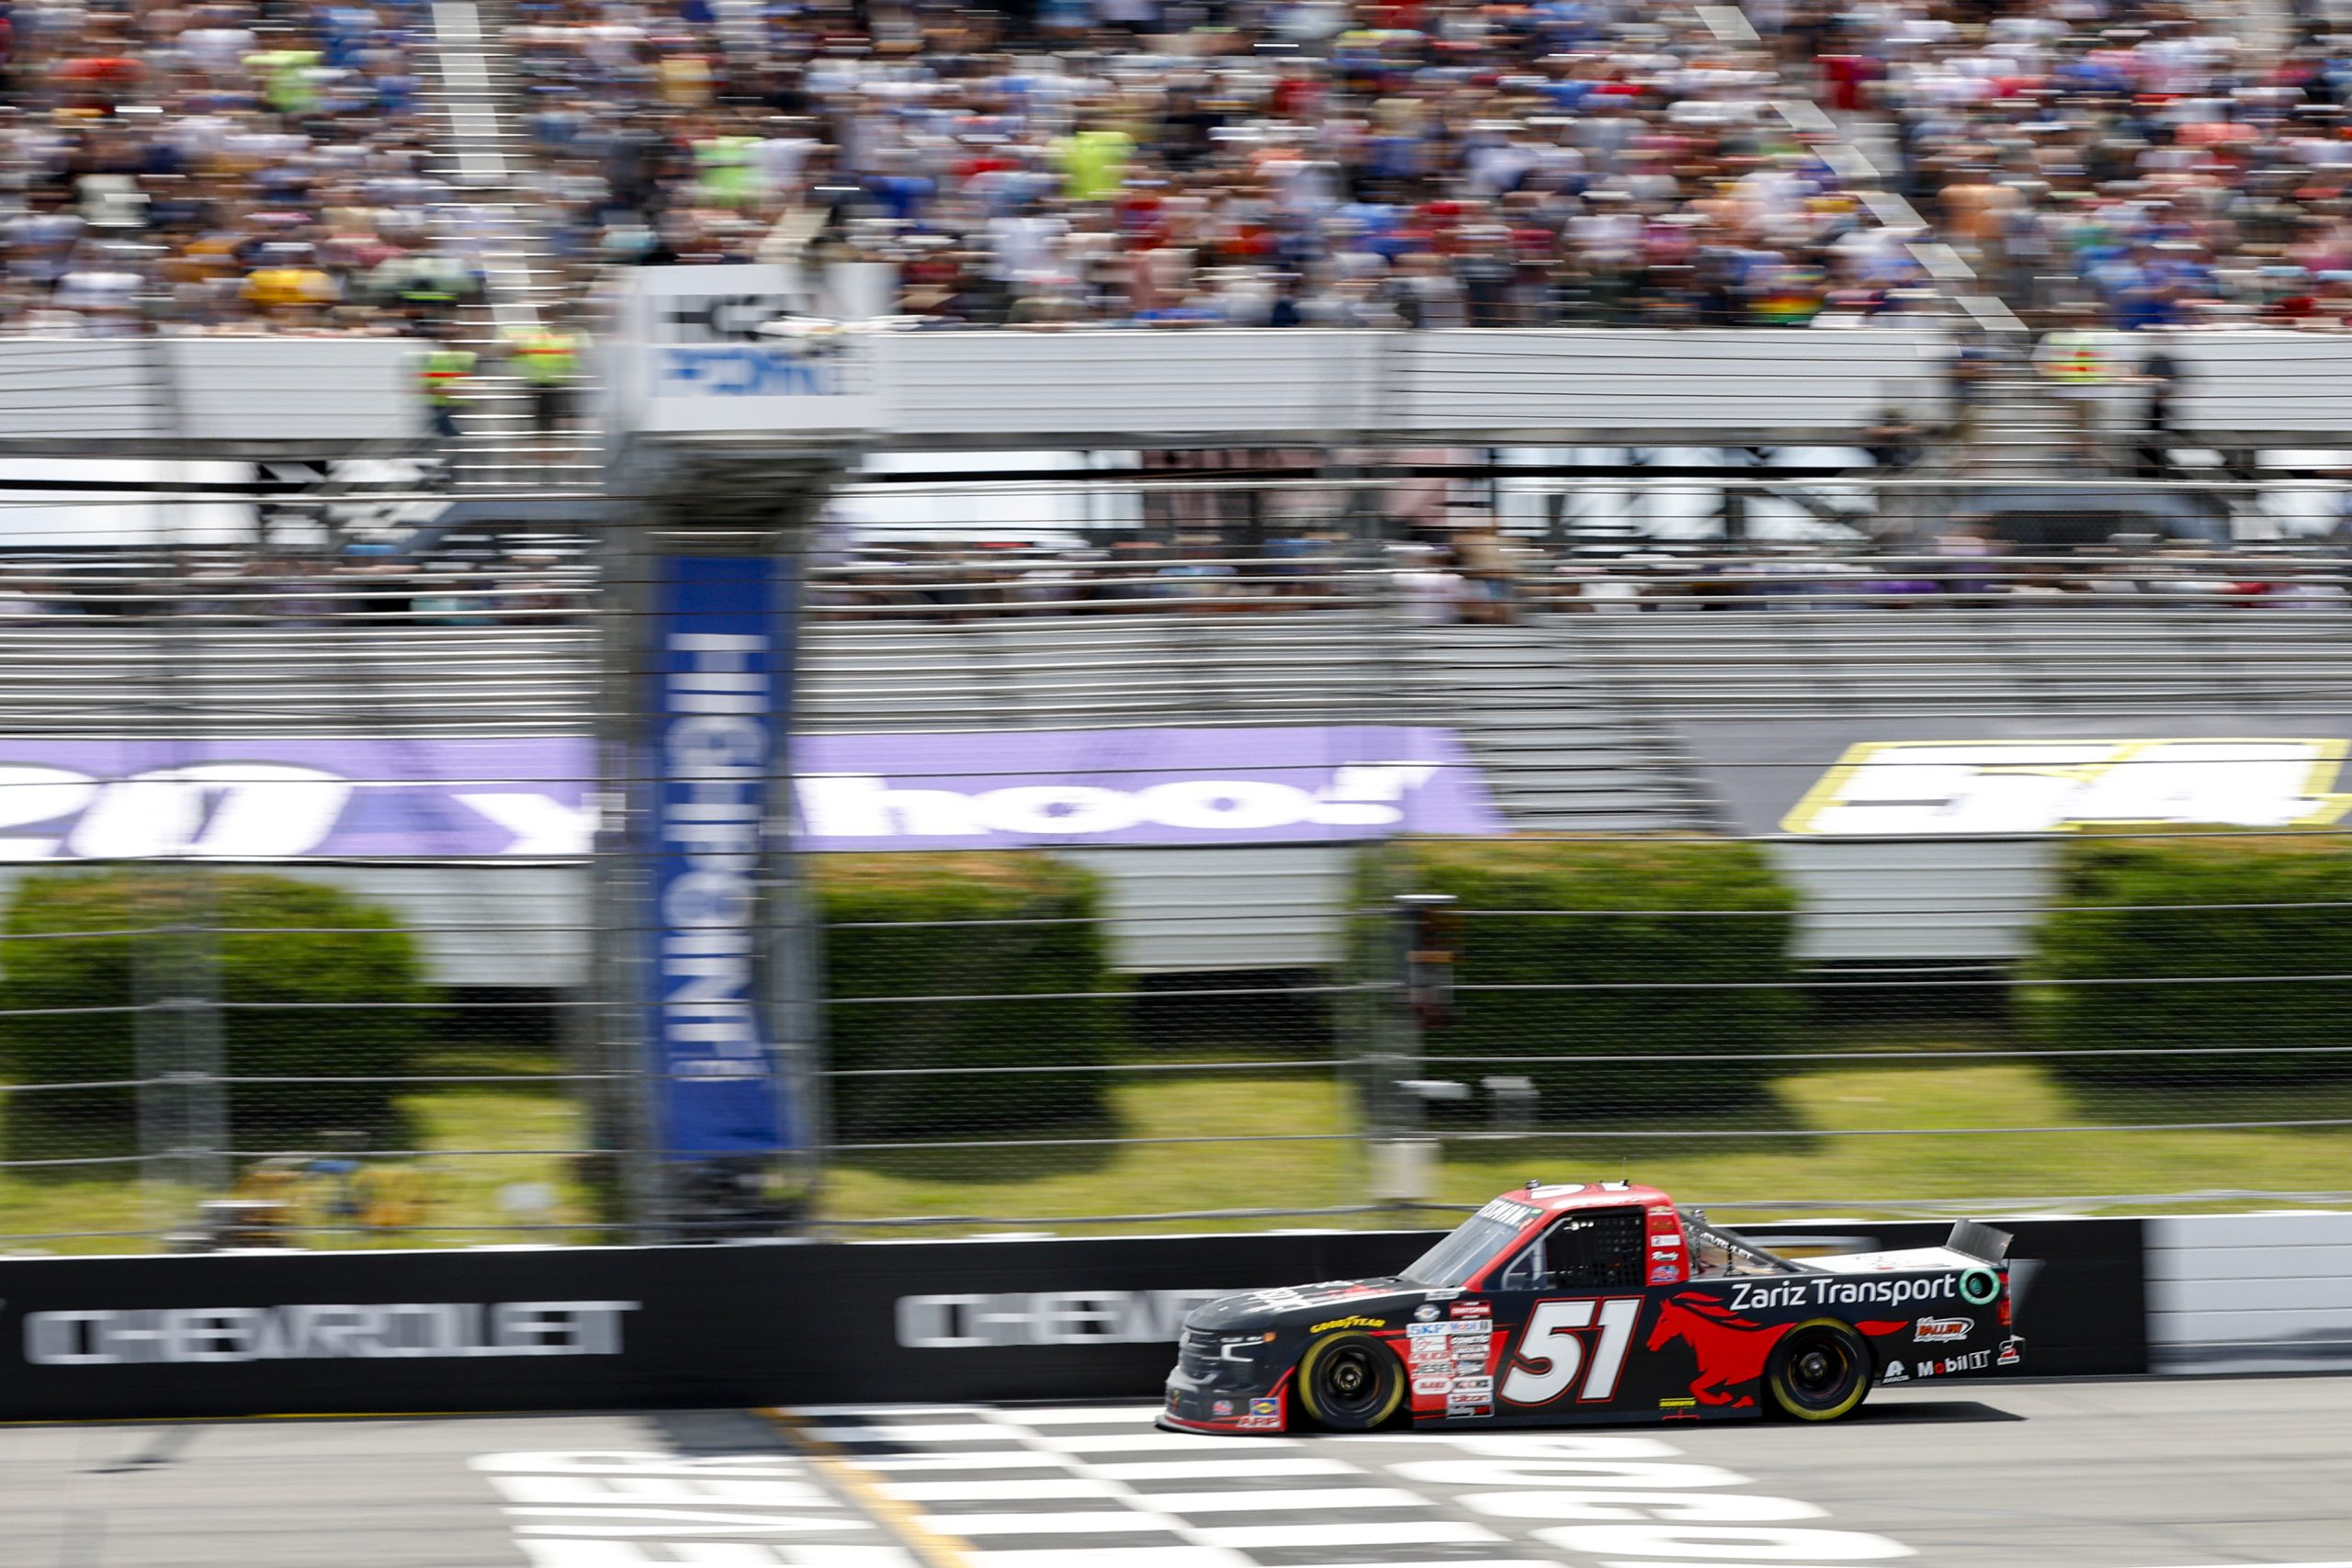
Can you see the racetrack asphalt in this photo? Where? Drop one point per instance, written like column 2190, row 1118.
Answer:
column 2158, row 1473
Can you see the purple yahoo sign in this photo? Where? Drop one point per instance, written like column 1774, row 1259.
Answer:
column 284, row 799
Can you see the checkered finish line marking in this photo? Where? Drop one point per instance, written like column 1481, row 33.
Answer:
column 1073, row 1487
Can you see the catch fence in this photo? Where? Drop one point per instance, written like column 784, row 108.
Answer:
column 1372, row 879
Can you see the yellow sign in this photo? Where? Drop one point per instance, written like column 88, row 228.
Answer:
column 1350, row 1323
column 1910, row 788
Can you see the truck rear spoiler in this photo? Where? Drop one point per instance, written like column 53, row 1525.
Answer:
column 1980, row 1242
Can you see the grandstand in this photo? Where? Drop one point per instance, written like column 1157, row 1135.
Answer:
column 1644, row 397
column 2092, row 657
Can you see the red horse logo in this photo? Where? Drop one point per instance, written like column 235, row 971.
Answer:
column 1730, row 1350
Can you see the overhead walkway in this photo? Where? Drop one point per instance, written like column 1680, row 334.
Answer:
column 1025, row 391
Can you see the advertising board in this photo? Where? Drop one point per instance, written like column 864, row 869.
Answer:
column 589, row 1328
column 1987, row 776
column 268, row 797
column 719, row 713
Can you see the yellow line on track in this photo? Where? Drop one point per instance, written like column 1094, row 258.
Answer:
column 901, row 1519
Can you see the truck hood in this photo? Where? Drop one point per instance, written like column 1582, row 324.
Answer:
column 1390, row 1298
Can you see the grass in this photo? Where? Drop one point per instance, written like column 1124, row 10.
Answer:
column 1833, row 1142
column 1309, row 1161
column 1273, row 1138
column 1853, row 1161
column 80, row 1209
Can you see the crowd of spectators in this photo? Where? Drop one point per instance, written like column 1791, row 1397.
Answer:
column 308, row 591
column 2153, row 162
column 227, row 165
column 262, row 165
column 1471, row 576
column 1477, row 576
column 1313, row 163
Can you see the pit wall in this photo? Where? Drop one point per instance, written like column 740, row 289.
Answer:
column 322, row 1333
column 599, row 1327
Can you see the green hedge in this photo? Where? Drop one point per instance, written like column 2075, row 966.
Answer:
column 300, row 943
column 2170, row 929
column 894, row 926
column 1649, row 923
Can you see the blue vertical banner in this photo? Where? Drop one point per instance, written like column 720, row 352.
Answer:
column 721, row 651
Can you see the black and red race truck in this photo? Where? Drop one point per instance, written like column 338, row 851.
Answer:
column 1595, row 1302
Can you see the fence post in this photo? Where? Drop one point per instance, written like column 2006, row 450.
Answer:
column 175, row 971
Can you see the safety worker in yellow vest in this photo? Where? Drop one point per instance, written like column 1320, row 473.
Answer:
column 290, row 80
column 443, row 371
column 547, row 359
column 2074, row 360
column 723, row 170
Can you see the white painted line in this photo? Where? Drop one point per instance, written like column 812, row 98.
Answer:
column 1164, row 1443
column 1728, row 23
column 845, row 1556
column 1129, row 1557
column 834, row 1410
column 1221, row 1468
column 1000, row 1491
column 1892, row 210
column 1269, row 1501
column 1994, row 314
column 1805, row 115
column 955, row 1432
column 1146, row 1413
column 1126, row 1521
column 1848, row 162
column 996, row 1458
column 1372, row 1532
column 1941, row 260
column 456, row 22
column 598, row 1520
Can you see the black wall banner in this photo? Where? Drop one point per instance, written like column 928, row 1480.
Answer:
column 593, row 1328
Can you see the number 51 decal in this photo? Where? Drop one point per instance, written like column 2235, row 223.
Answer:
column 1551, row 1353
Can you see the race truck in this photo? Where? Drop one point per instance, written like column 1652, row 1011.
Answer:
column 1595, row 1302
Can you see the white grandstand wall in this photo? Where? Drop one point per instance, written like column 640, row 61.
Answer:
column 2250, row 1292
column 236, row 394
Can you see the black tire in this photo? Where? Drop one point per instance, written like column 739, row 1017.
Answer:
column 1351, row 1383
column 1819, row 1372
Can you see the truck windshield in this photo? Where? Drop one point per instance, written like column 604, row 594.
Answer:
column 1476, row 1242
